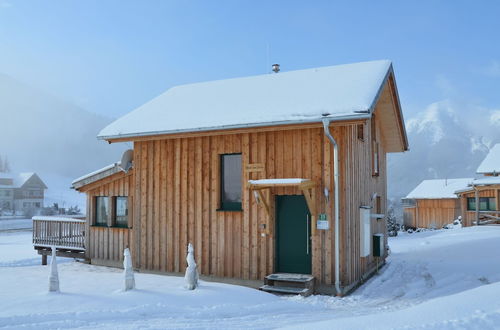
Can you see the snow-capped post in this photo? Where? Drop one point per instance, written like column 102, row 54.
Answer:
column 54, row 276
column 191, row 276
column 128, row 271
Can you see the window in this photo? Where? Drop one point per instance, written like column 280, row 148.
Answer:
column 361, row 132
column 485, row 204
column 121, row 211
column 37, row 204
column 379, row 205
column 230, row 197
column 375, row 148
column 101, row 211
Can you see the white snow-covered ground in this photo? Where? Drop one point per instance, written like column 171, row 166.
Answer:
column 447, row 279
column 15, row 224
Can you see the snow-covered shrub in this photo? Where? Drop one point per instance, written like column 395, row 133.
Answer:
column 392, row 226
column 128, row 271
column 191, row 276
column 54, row 276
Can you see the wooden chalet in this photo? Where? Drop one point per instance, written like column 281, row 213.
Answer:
column 433, row 203
column 483, row 192
column 280, row 176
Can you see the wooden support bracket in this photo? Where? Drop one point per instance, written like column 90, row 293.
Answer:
column 308, row 188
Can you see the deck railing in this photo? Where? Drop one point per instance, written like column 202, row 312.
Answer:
column 61, row 232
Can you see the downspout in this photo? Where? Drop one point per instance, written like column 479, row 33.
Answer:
column 326, row 127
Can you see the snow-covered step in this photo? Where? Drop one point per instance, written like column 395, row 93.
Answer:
column 289, row 277
column 286, row 289
column 302, row 284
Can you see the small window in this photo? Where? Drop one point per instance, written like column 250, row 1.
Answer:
column 230, row 197
column 379, row 205
column 37, row 204
column 375, row 148
column 485, row 204
column 361, row 132
column 121, row 211
column 375, row 159
column 101, row 211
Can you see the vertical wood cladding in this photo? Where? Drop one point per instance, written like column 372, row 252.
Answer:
column 176, row 189
column 107, row 243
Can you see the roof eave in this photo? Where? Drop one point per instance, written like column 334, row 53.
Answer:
column 359, row 115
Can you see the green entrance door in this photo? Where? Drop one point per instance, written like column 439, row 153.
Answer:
column 293, row 232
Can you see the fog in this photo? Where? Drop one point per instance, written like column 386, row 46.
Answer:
column 42, row 133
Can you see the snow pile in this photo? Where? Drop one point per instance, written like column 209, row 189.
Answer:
column 191, row 276
column 54, row 275
column 128, row 271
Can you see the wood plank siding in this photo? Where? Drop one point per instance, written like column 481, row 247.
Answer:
column 106, row 244
column 432, row 213
column 174, row 192
column 177, row 189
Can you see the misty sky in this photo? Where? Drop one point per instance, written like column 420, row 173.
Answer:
column 112, row 56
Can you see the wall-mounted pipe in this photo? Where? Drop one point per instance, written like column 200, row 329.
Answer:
column 326, row 127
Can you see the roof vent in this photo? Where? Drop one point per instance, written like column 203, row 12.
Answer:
column 276, row 68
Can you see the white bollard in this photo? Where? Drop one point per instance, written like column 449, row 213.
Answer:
column 191, row 276
column 54, row 276
column 128, row 271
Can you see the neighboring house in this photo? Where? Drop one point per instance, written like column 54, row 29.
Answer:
column 433, row 203
column 484, row 191
column 6, row 192
column 245, row 170
column 21, row 192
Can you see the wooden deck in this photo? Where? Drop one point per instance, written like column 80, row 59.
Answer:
column 66, row 234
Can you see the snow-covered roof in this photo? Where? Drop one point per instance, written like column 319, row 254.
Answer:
column 440, row 188
column 18, row 180
column 491, row 164
column 336, row 92
column 277, row 181
column 486, row 181
column 492, row 180
column 97, row 175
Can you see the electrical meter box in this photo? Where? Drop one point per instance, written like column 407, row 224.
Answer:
column 378, row 245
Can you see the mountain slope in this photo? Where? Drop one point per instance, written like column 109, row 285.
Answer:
column 445, row 142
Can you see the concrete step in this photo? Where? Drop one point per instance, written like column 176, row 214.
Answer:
column 286, row 290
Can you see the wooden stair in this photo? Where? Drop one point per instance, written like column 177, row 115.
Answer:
column 286, row 283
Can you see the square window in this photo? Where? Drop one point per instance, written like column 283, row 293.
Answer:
column 121, row 211
column 101, row 211
column 230, row 182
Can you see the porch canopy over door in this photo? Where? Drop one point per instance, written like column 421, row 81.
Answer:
column 305, row 185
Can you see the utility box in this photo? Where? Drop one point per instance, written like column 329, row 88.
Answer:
column 378, row 245
column 365, row 231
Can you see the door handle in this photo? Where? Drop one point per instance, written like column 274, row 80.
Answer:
column 307, row 234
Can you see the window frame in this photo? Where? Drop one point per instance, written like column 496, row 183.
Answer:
column 226, row 205
column 361, row 132
column 106, row 222
column 490, row 203
column 115, row 212
column 375, row 148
